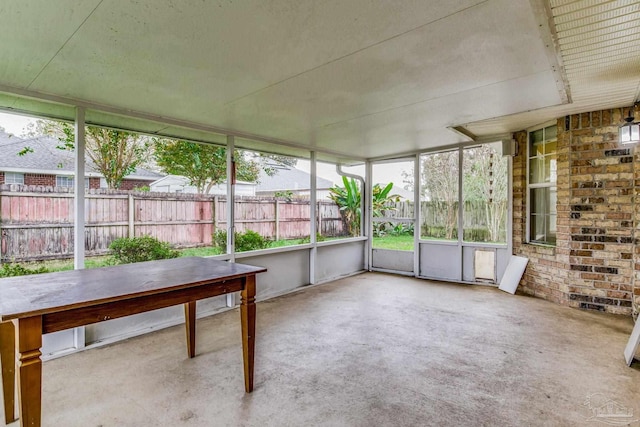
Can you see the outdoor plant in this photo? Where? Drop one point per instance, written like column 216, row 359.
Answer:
column 349, row 201
column 11, row 270
column 127, row 250
column 246, row 241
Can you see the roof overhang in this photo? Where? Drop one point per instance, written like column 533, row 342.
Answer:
column 349, row 80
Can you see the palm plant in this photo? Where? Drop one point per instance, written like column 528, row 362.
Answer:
column 349, row 201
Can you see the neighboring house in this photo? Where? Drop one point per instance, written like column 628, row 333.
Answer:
column 286, row 178
column 51, row 166
column 181, row 184
column 289, row 178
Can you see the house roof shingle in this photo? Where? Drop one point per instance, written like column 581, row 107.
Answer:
column 44, row 157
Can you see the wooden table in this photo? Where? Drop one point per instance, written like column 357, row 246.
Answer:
column 34, row 305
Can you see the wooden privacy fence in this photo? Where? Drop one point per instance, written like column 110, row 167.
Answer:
column 37, row 222
column 477, row 215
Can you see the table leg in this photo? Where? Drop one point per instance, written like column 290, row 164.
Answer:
column 248, row 321
column 190, row 323
column 8, row 360
column 29, row 340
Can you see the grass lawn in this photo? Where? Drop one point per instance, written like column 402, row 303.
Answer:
column 403, row 242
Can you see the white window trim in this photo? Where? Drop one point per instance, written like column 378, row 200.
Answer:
column 529, row 186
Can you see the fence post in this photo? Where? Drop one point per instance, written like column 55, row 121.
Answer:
column 277, row 207
column 132, row 216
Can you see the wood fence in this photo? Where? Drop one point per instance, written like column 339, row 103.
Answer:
column 37, row 222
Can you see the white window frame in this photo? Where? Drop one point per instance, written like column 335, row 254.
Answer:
column 67, row 178
column 10, row 178
column 530, row 186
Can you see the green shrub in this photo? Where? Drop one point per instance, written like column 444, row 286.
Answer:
column 127, row 250
column 246, row 241
column 11, row 270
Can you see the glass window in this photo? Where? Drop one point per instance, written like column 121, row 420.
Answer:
column 13, row 178
column 485, row 194
column 542, row 178
column 64, row 181
column 439, row 195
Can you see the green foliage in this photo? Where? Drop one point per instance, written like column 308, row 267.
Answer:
column 349, row 200
column 205, row 165
column 246, row 241
column 115, row 153
column 11, row 270
column 137, row 249
column 286, row 194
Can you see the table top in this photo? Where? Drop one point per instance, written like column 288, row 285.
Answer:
column 38, row 294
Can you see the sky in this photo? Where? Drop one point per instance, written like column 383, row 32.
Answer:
column 382, row 173
column 14, row 123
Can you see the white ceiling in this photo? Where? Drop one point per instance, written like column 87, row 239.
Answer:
column 357, row 78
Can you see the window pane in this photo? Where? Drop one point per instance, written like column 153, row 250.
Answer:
column 536, row 145
column 536, row 170
column 13, row 178
column 551, row 132
column 537, row 230
column 64, row 181
column 484, row 191
column 439, row 195
column 538, row 200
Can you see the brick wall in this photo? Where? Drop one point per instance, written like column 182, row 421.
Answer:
column 130, row 184
column 547, row 274
column 94, row 183
column 594, row 264
column 39, row 179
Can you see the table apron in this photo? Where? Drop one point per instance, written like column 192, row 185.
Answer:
column 74, row 317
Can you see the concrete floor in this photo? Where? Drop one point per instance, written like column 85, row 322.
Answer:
column 371, row 350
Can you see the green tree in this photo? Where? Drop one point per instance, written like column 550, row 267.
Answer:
column 486, row 180
column 114, row 153
column 439, row 185
column 205, row 165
